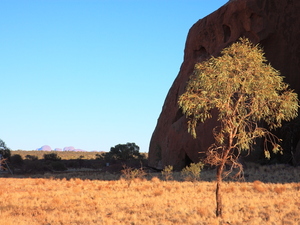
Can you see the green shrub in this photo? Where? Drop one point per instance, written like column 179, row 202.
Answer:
column 192, row 172
column 167, row 172
column 124, row 152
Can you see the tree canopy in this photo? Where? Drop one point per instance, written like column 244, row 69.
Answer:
column 4, row 150
column 124, row 152
column 246, row 91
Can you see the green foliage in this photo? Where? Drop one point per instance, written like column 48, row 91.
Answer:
column 124, row 152
column 244, row 89
column 167, row 172
column 4, row 150
column 52, row 157
column 5, row 155
column 192, row 172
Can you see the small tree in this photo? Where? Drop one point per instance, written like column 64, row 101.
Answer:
column 4, row 155
column 245, row 91
column 4, row 151
column 167, row 172
column 124, row 152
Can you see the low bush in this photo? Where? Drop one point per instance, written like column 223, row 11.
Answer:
column 192, row 172
column 52, row 157
column 16, row 162
column 129, row 174
column 167, row 172
column 31, row 157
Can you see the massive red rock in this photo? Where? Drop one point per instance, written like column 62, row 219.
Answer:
column 274, row 24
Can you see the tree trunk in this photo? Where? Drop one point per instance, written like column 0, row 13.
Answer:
column 218, row 191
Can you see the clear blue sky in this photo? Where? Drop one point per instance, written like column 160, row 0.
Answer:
column 90, row 74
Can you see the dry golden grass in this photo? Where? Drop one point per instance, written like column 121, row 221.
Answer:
column 63, row 154
column 40, row 201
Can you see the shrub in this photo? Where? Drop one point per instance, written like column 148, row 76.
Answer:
column 31, row 157
column 192, row 172
column 124, row 152
column 52, row 157
column 129, row 174
column 167, row 172
column 16, row 160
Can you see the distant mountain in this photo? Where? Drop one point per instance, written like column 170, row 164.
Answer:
column 65, row 149
column 44, row 148
column 70, row 148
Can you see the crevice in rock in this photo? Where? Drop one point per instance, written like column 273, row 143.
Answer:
column 227, row 32
column 179, row 114
column 200, row 54
column 187, row 160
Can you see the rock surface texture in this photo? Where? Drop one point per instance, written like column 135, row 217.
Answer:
column 275, row 24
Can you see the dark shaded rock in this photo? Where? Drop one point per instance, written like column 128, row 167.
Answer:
column 274, row 24
column 296, row 155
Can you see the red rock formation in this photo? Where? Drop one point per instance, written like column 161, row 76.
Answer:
column 274, row 24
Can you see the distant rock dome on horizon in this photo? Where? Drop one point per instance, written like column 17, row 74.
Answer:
column 65, row 149
column 44, row 148
column 73, row 149
column 69, row 148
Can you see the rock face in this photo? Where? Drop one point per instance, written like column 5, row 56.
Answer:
column 275, row 24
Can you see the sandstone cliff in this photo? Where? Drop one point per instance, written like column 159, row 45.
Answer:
column 275, row 24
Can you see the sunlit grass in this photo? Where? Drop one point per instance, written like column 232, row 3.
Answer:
column 43, row 201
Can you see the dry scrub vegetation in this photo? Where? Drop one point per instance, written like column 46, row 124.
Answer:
column 95, row 198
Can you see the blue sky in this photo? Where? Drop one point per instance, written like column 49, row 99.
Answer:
column 89, row 74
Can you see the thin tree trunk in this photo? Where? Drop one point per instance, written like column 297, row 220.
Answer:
column 219, row 181
column 218, row 191
column 219, row 175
